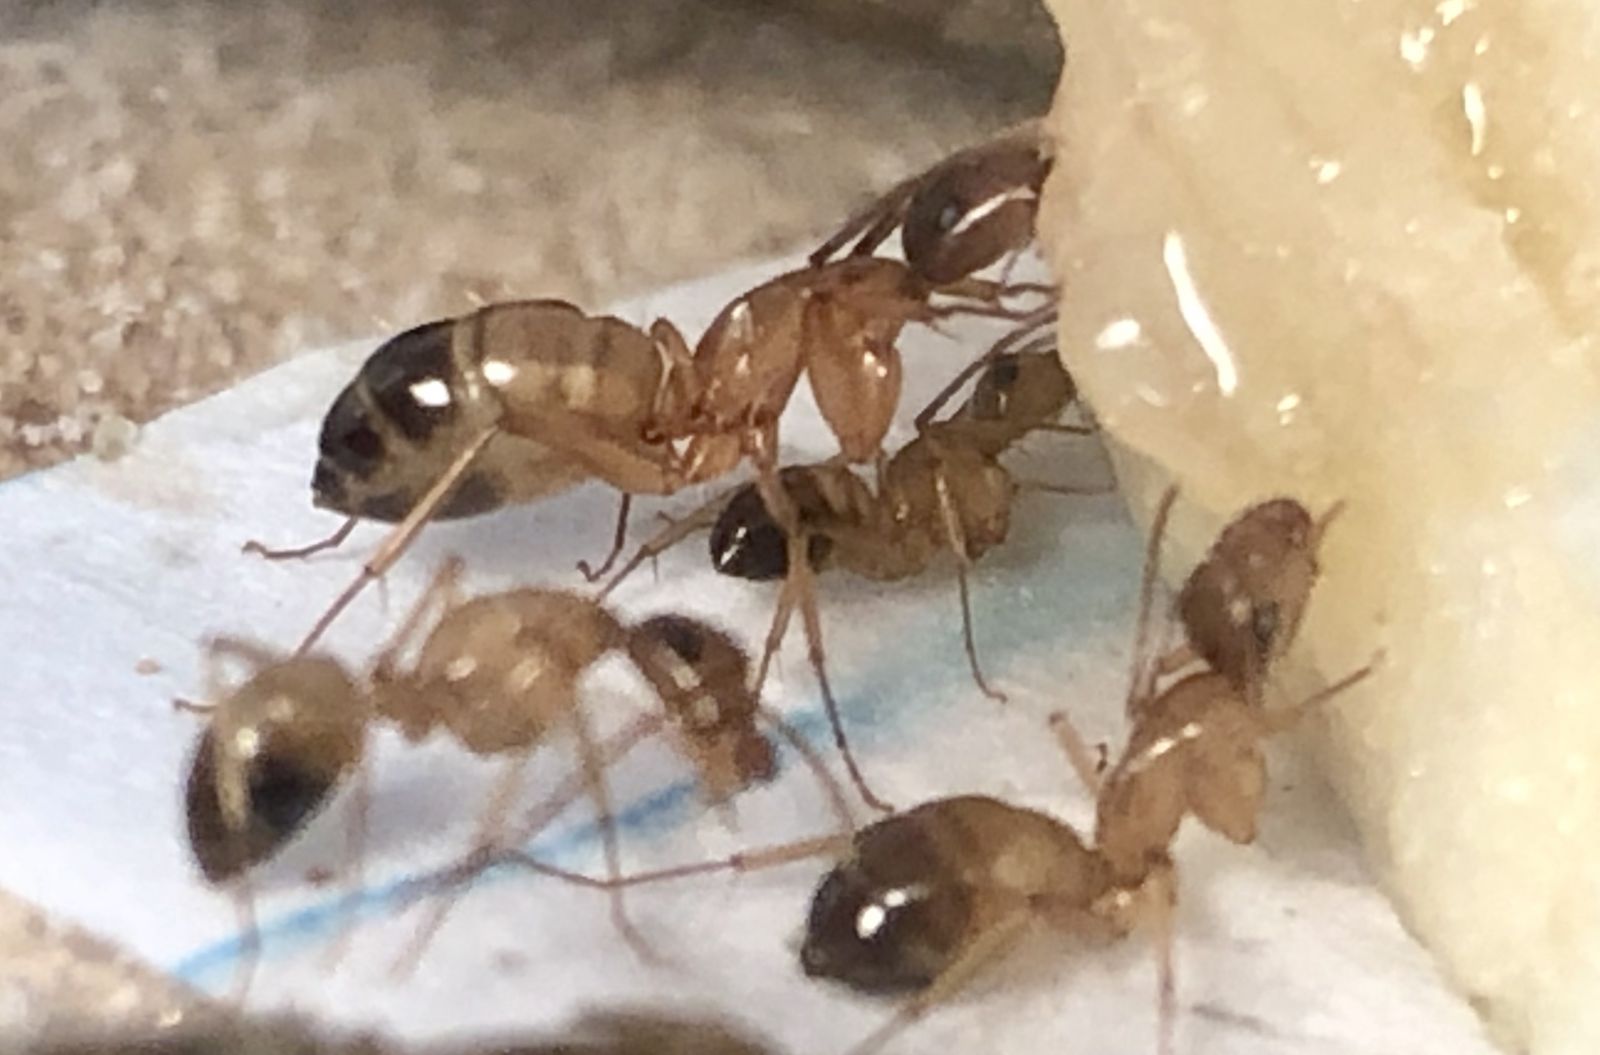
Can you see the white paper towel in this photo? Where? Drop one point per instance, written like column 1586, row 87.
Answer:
column 1284, row 947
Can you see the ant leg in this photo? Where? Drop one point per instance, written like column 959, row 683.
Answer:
column 675, row 532
column 1001, row 347
column 248, row 652
column 333, row 541
column 675, row 394
column 1165, row 890
column 1064, row 489
column 481, row 859
column 805, row 587
column 1320, row 527
column 1145, row 667
column 618, row 540
column 444, row 588
column 877, row 219
column 956, row 538
column 355, row 846
column 1000, row 938
column 967, row 637
column 595, row 778
column 1083, row 762
column 244, row 972
column 813, row 760
column 745, row 861
column 501, row 796
column 402, row 536
column 1285, row 718
column 775, row 634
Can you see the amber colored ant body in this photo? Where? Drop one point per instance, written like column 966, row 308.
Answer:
column 944, row 492
column 499, row 673
column 462, row 416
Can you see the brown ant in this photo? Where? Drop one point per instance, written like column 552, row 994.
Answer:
column 1241, row 606
column 497, row 672
column 437, row 423
column 962, row 214
column 549, row 394
column 925, row 899
column 944, row 492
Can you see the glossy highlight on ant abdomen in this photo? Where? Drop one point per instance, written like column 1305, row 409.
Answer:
column 269, row 761
column 424, row 395
column 920, row 887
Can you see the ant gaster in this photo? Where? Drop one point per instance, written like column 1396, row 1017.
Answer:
column 465, row 415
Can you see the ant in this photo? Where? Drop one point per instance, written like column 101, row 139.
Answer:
column 520, row 400
column 1241, row 606
column 924, row 900
column 498, row 672
column 435, row 424
column 962, row 214
column 944, row 492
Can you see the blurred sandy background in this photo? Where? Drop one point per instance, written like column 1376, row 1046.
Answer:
column 190, row 191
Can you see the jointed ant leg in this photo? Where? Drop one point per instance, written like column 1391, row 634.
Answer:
column 600, row 790
column 774, row 856
column 401, row 537
column 956, row 538
column 1078, row 754
column 442, row 591
column 1000, row 938
column 1021, row 333
column 333, row 541
column 501, row 796
column 813, row 761
column 355, row 845
column 804, row 584
column 877, row 219
column 967, row 639
column 1284, row 718
column 1163, row 886
column 618, row 541
column 1142, row 683
column 244, row 905
column 675, row 532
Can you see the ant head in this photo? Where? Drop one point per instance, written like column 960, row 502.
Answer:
column 747, row 543
column 703, row 678
column 265, row 765
column 893, row 917
column 1242, row 605
column 1021, row 390
column 973, row 211
column 405, row 394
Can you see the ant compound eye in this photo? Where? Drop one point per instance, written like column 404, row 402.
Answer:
column 746, row 542
column 950, row 215
column 348, row 440
column 409, row 378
